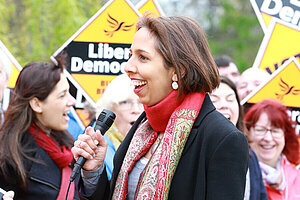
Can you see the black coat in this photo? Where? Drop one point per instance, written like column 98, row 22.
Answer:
column 213, row 164
column 257, row 187
column 43, row 178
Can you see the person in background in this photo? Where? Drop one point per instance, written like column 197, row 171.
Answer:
column 227, row 102
column 119, row 98
column 249, row 80
column 227, row 68
column 90, row 111
column 272, row 137
column 35, row 150
column 5, row 71
column 180, row 147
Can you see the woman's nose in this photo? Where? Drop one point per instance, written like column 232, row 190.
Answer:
column 71, row 101
column 130, row 66
column 268, row 135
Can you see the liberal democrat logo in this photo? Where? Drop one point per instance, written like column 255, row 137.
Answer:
column 116, row 26
column 286, row 89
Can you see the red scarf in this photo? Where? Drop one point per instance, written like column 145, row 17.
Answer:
column 62, row 156
column 176, row 118
column 159, row 114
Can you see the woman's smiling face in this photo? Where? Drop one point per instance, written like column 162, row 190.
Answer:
column 145, row 68
column 54, row 109
column 266, row 145
column 225, row 101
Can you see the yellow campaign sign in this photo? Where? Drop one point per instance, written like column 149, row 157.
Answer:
column 283, row 85
column 279, row 44
column 285, row 10
column 13, row 77
column 114, row 24
column 94, row 84
column 150, row 6
column 266, row 18
column 99, row 50
column 83, row 115
column 8, row 59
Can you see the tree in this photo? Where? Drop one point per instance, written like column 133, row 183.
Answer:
column 34, row 30
column 237, row 32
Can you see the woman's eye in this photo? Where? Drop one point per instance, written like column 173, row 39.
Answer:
column 230, row 98
column 62, row 95
column 143, row 57
column 123, row 102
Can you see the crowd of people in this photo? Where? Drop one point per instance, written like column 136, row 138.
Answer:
column 180, row 131
column 271, row 134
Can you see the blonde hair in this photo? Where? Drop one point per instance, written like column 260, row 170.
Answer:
column 118, row 90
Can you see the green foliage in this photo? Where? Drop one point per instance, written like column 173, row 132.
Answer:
column 34, row 30
column 238, row 33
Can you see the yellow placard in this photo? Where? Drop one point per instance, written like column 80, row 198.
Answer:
column 149, row 6
column 285, row 10
column 99, row 50
column 94, row 85
column 9, row 60
column 266, row 18
column 279, row 44
column 13, row 76
column 115, row 24
column 283, row 85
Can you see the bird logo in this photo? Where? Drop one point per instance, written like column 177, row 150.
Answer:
column 116, row 26
column 286, row 90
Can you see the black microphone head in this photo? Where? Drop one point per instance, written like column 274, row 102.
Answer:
column 104, row 121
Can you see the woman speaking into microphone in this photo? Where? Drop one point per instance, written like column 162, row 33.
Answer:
column 35, row 153
column 180, row 147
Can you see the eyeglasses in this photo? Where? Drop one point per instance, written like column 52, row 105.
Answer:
column 128, row 104
column 261, row 131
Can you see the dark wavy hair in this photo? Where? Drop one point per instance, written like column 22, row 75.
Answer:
column 279, row 118
column 183, row 45
column 37, row 79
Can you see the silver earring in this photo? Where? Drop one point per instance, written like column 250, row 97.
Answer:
column 174, row 85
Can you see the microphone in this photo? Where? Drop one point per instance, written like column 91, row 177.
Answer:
column 103, row 123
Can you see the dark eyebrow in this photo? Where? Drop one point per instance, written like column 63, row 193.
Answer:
column 140, row 51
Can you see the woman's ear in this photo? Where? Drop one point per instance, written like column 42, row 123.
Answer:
column 35, row 105
column 174, row 77
column 182, row 73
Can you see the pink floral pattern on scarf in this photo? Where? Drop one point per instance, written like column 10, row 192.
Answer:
column 156, row 178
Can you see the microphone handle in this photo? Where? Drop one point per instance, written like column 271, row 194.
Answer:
column 77, row 166
column 103, row 123
column 81, row 160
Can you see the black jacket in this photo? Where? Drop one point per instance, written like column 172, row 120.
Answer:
column 44, row 178
column 257, row 187
column 213, row 164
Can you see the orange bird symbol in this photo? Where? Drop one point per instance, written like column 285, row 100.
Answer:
column 286, row 89
column 116, row 26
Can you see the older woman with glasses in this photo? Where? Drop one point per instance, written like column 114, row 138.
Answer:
column 119, row 98
column 272, row 137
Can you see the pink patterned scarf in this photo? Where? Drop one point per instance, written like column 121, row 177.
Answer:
column 173, row 116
